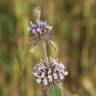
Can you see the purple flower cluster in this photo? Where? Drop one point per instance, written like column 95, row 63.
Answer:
column 40, row 31
column 49, row 71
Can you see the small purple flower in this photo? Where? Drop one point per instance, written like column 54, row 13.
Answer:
column 49, row 71
column 40, row 31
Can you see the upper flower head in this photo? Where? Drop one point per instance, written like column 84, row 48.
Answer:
column 49, row 71
column 40, row 31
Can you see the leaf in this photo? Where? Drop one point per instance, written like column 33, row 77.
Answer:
column 32, row 49
column 59, row 89
column 60, row 85
column 56, row 91
column 50, row 92
column 53, row 45
column 37, row 13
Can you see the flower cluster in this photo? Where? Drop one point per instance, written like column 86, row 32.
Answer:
column 49, row 71
column 40, row 31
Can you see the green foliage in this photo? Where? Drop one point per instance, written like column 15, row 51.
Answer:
column 55, row 91
column 52, row 44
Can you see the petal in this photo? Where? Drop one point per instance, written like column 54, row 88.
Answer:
column 50, row 78
column 61, row 71
column 49, row 71
column 36, row 74
column 55, row 76
column 43, row 74
column 61, row 76
column 45, row 82
column 38, row 80
column 61, row 66
column 66, row 73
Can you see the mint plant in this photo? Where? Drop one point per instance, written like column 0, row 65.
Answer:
column 48, row 71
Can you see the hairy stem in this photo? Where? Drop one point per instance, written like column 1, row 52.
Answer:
column 45, row 50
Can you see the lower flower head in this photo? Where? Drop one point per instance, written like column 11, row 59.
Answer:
column 49, row 71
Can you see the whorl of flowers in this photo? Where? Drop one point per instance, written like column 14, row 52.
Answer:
column 49, row 71
column 40, row 31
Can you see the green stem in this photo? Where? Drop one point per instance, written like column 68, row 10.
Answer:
column 45, row 51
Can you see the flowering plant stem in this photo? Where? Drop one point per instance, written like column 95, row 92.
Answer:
column 52, row 90
column 45, row 51
column 49, row 71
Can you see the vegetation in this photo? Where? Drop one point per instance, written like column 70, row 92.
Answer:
column 74, row 24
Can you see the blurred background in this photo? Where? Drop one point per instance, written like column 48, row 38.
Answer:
column 74, row 23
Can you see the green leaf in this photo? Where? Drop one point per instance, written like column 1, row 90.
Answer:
column 53, row 45
column 32, row 49
column 50, row 92
column 56, row 91
column 60, row 85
